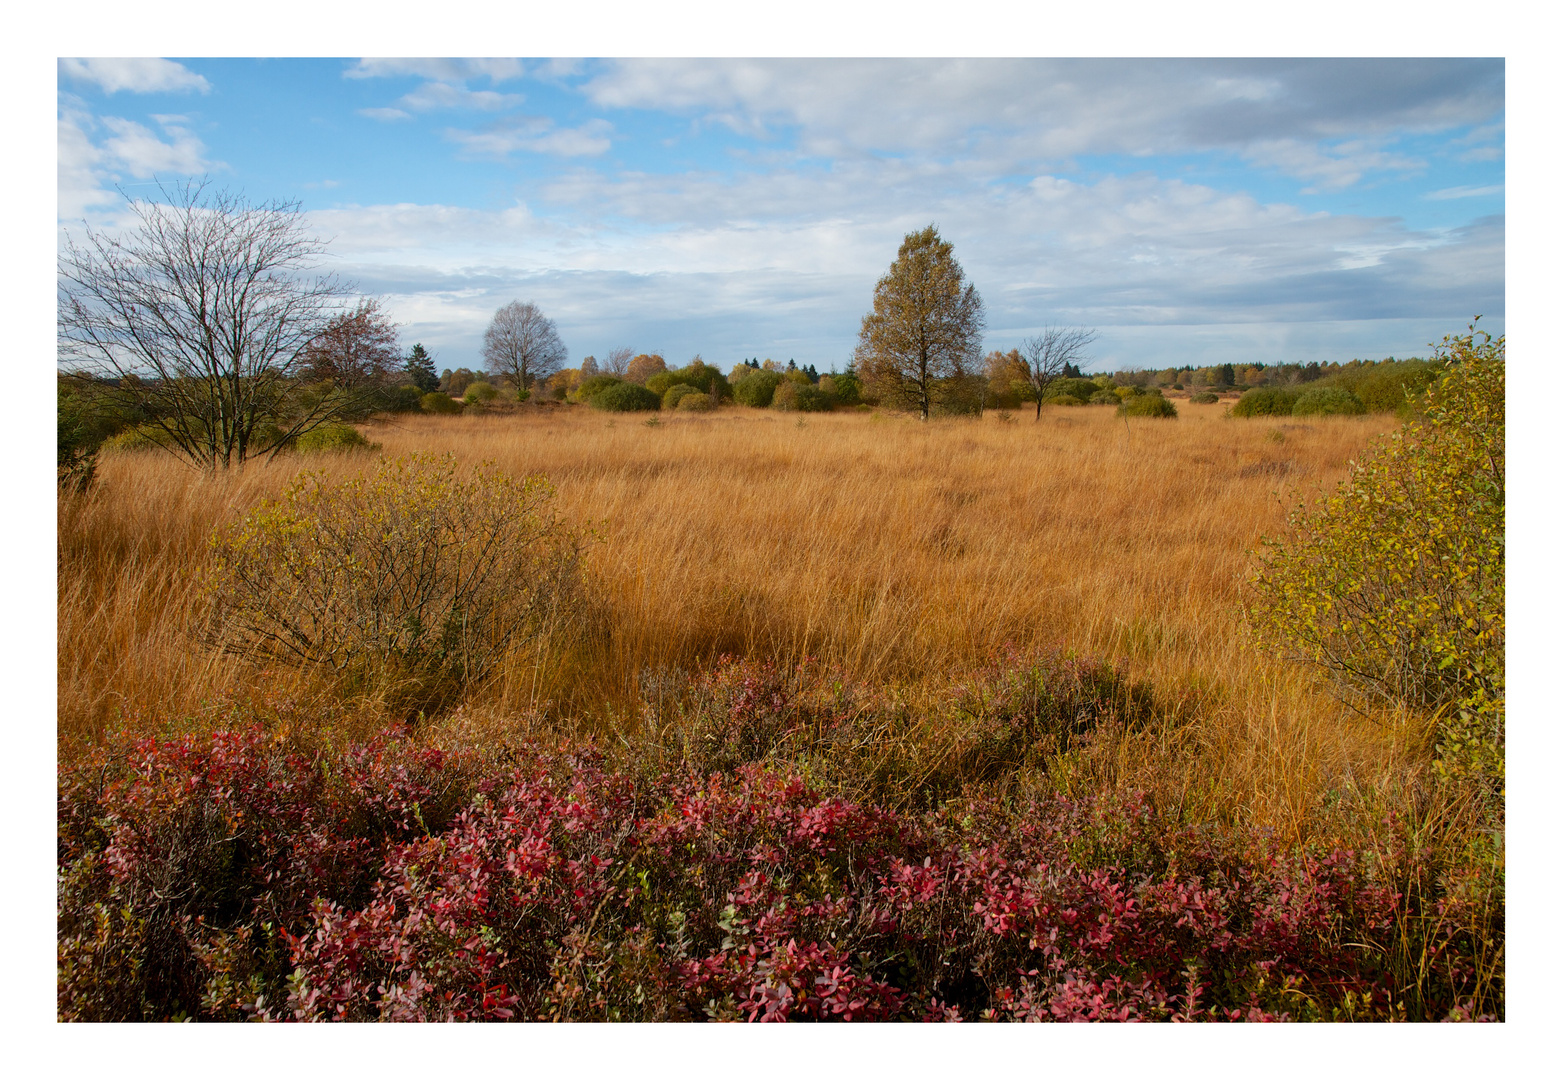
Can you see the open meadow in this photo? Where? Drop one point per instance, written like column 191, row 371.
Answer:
column 853, row 599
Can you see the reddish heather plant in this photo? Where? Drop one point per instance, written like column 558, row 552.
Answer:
column 229, row 877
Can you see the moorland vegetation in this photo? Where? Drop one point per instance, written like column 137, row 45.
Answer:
column 773, row 701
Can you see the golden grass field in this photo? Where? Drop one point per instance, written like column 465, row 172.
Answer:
column 897, row 550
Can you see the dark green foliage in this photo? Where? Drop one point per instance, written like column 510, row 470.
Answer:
column 78, row 452
column 1104, row 397
column 1327, row 401
column 1148, row 405
column 1081, row 389
column 1267, row 401
column 398, row 399
column 420, row 370
column 596, row 384
column 626, row 397
column 792, row 396
column 440, row 404
column 702, row 376
column 1384, row 387
column 757, row 388
column 1204, row 397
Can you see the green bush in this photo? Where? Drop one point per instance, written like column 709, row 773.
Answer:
column 1386, row 387
column 1148, row 405
column 1079, row 389
column 671, row 398
column 1067, row 400
column 1267, row 401
column 701, row 376
column 480, row 393
column 661, row 383
column 757, row 388
column 792, row 396
column 440, row 404
column 1204, row 397
column 415, row 569
column 1327, row 401
column 845, row 388
column 333, row 438
column 594, row 385
column 1104, row 397
column 399, row 399
column 626, row 397
column 695, row 401
column 1394, row 585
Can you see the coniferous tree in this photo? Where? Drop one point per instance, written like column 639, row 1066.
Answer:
column 420, row 369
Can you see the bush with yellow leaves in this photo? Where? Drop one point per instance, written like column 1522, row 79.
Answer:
column 414, row 569
column 1395, row 584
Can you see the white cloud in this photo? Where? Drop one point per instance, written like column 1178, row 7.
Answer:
column 1465, row 192
column 385, row 114
column 537, row 135
column 144, row 75
column 448, row 70
column 140, row 152
column 88, row 168
column 1332, row 167
column 1003, row 112
column 444, row 95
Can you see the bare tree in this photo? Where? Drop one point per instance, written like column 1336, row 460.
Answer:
column 1043, row 358
column 197, row 318
column 925, row 332
column 618, row 362
column 522, row 345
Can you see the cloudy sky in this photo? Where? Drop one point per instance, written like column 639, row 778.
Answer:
column 1191, row 211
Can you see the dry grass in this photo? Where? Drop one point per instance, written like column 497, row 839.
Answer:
column 897, row 550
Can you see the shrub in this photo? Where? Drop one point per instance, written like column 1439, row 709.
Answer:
column 399, row 399
column 661, row 383
column 481, row 393
column 1395, row 584
column 229, row 877
column 1267, row 401
column 333, row 438
column 1080, row 389
column 695, row 402
column 1386, row 386
column 626, row 397
column 1104, row 397
column 590, row 387
column 412, row 569
column 674, row 392
column 1148, row 405
column 644, row 366
column 792, row 396
column 1327, row 401
column 440, row 404
column 757, row 388
column 702, row 376
column 1204, row 397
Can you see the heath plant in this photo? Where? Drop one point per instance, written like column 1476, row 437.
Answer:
column 416, row 568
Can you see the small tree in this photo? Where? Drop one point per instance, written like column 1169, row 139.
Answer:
column 1052, row 355
column 618, row 362
column 419, row 369
column 522, row 345
column 644, row 367
column 925, row 327
column 198, row 319
column 356, row 351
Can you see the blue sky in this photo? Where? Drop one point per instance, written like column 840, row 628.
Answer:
column 1192, row 211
